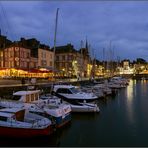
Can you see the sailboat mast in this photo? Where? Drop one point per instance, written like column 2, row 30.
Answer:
column 110, row 58
column 104, row 62
column 55, row 33
column 54, row 48
column 81, row 69
column 94, row 64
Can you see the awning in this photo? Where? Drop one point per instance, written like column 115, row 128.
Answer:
column 38, row 71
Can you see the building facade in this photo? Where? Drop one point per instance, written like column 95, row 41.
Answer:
column 4, row 43
column 45, row 58
column 64, row 58
column 71, row 62
column 17, row 57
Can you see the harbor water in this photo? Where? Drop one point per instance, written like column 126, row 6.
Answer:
column 122, row 121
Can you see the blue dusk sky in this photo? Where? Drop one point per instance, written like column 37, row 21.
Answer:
column 123, row 23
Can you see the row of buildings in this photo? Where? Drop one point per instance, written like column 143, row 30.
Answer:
column 30, row 58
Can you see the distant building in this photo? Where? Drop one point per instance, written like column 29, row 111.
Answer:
column 45, row 57
column 40, row 51
column 16, row 56
column 126, row 64
column 1, row 58
column 30, row 56
column 86, row 62
column 126, row 68
column 72, row 62
column 87, row 69
column 66, row 60
column 4, row 43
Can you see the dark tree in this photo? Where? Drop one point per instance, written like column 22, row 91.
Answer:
column 141, row 61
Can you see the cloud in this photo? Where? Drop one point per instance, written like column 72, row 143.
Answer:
column 125, row 23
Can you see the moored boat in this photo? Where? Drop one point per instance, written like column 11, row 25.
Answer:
column 70, row 93
column 75, row 105
column 17, row 122
column 60, row 114
column 84, row 107
column 63, row 114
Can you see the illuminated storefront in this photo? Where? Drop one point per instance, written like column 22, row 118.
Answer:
column 14, row 72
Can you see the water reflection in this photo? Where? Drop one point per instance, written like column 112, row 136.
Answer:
column 130, row 91
column 130, row 96
column 144, row 87
column 29, row 142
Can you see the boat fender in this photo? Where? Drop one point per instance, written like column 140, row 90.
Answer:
column 84, row 101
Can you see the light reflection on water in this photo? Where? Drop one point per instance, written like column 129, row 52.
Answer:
column 130, row 90
column 130, row 95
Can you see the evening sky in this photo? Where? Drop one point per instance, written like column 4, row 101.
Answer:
column 124, row 24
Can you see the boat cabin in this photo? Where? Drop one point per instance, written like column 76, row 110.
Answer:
column 6, row 116
column 26, row 96
column 15, row 113
column 66, row 89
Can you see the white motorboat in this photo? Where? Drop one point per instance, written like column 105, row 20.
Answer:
column 98, row 92
column 70, row 93
column 84, row 107
column 105, row 89
column 120, row 80
column 75, row 105
column 18, row 122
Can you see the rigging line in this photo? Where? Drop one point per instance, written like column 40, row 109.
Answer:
column 7, row 22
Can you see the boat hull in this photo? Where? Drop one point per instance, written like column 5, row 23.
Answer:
column 80, row 99
column 84, row 109
column 25, row 132
column 60, row 122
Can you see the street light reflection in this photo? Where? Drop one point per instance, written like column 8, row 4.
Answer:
column 130, row 91
column 130, row 97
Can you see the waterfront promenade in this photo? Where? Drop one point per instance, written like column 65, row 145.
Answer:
column 13, row 83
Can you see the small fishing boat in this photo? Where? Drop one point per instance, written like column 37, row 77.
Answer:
column 18, row 122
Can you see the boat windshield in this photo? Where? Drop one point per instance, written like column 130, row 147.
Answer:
column 74, row 90
column 44, row 98
column 15, row 97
